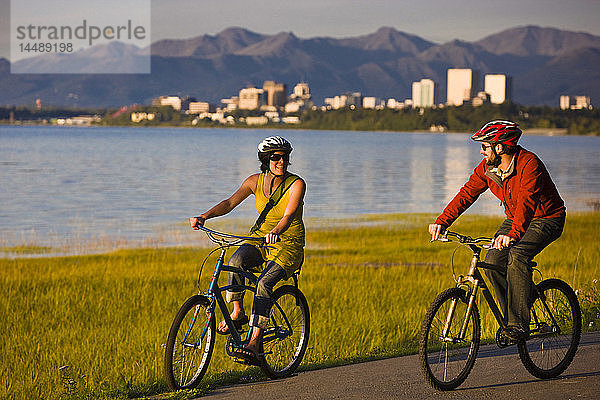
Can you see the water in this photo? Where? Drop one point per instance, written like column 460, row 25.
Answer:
column 130, row 183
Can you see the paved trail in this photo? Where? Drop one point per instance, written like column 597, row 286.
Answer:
column 498, row 374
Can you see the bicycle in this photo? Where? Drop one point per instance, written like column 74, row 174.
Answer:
column 451, row 329
column 191, row 338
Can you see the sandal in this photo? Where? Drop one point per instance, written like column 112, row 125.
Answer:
column 249, row 356
column 238, row 323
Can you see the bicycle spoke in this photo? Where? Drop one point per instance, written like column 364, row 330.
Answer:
column 548, row 353
column 446, row 360
column 287, row 334
column 190, row 344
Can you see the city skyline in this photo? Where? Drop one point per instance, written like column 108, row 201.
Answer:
column 433, row 20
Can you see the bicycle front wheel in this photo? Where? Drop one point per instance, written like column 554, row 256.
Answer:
column 447, row 357
column 286, row 337
column 190, row 344
column 555, row 330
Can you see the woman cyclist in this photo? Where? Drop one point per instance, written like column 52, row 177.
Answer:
column 282, row 227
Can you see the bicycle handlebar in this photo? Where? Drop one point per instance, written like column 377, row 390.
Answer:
column 228, row 239
column 447, row 236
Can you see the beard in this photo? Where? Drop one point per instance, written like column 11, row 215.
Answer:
column 494, row 161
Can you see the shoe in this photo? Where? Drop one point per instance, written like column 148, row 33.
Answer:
column 249, row 356
column 515, row 334
column 238, row 323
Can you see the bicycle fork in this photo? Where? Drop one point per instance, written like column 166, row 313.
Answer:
column 471, row 300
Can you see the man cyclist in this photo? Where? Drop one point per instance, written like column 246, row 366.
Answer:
column 535, row 216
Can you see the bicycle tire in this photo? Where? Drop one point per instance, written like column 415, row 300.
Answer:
column 185, row 365
column 547, row 355
column 446, row 364
column 284, row 351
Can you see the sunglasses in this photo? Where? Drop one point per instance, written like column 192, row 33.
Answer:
column 484, row 146
column 277, row 157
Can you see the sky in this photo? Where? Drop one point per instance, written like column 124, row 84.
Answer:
column 438, row 21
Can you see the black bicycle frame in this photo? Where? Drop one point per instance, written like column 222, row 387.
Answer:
column 476, row 279
column 215, row 293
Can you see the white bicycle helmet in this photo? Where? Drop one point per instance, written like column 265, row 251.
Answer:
column 274, row 143
column 269, row 145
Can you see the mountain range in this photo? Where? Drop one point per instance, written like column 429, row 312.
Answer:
column 544, row 63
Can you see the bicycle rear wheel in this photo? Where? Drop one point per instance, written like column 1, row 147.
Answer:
column 447, row 360
column 190, row 344
column 286, row 337
column 555, row 330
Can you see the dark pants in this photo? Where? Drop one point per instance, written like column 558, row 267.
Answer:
column 249, row 258
column 513, row 285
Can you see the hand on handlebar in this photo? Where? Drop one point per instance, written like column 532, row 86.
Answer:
column 197, row 221
column 271, row 238
column 502, row 241
column 435, row 230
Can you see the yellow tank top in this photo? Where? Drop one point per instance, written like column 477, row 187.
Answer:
column 289, row 252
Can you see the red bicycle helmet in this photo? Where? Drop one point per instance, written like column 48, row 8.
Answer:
column 504, row 132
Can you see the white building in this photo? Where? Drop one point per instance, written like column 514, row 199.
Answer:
column 463, row 84
column 423, row 93
column 352, row 100
column 582, row 102
column 262, row 120
column 394, row 104
column 575, row 103
column 251, row 98
column 301, row 91
column 141, row 116
column 173, row 101
column 197, row 107
column 498, row 86
column 232, row 103
column 291, row 120
column 480, row 99
column 294, row 106
column 369, row 102
column 300, row 99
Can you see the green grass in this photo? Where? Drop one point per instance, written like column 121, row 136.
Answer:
column 23, row 250
column 368, row 281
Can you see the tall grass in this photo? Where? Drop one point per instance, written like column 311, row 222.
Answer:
column 368, row 282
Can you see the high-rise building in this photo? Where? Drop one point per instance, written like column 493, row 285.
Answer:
column 582, row 102
column 463, row 84
column 423, row 93
column 275, row 93
column 300, row 99
column 498, row 86
column 301, row 91
column 575, row 102
column 251, row 98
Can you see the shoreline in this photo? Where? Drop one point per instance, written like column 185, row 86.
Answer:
column 531, row 131
column 178, row 236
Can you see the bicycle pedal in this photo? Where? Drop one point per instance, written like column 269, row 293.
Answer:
column 502, row 341
column 545, row 328
column 239, row 360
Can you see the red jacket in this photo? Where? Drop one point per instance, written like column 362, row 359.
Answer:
column 527, row 193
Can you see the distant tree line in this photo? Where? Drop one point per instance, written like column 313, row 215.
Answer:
column 455, row 119
column 465, row 118
column 24, row 113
